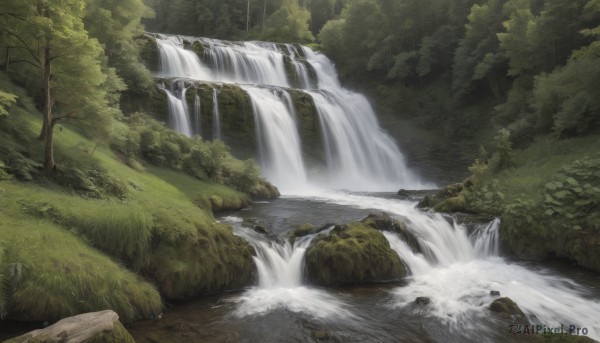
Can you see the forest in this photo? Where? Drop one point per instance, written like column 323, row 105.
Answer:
column 478, row 117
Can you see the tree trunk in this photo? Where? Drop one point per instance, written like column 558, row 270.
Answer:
column 248, row 17
column 48, row 126
column 7, row 61
column 264, row 14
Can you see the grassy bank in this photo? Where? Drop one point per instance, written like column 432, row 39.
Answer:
column 547, row 194
column 105, row 232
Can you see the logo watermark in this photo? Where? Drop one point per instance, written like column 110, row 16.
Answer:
column 539, row 329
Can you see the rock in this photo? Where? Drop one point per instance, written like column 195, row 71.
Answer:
column 320, row 335
column 445, row 200
column 304, row 230
column 262, row 229
column 495, row 293
column 352, row 254
column 382, row 221
column 422, row 301
column 507, row 307
column 103, row 326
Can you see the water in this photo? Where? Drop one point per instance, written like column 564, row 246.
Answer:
column 456, row 266
column 278, row 139
column 178, row 109
column 457, row 272
column 217, row 135
column 197, row 116
column 359, row 155
column 280, row 281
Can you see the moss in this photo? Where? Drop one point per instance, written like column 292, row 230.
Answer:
column 304, row 230
column 212, row 261
column 309, row 127
column 453, row 204
column 149, row 52
column 506, row 306
column 382, row 221
column 352, row 254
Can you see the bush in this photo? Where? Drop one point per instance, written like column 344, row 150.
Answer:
column 503, row 157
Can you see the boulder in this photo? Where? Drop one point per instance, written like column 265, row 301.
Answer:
column 505, row 306
column 304, row 230
column 352, row 254
column 448, row 199
column 422, row 301
column 384, row 222
column 103, row 326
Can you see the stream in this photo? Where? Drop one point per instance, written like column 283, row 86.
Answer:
column 457, row 272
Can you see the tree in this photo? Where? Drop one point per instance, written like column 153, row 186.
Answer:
column 50, row 37
column 288, row 24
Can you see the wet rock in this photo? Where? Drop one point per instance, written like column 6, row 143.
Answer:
column 262, row 229
column 505, row 306
column 495, row 293
column 320, row 335
column 422, row 301
column 103, row 326
column 445, row 200
column 382, row 221
column 352, row 254
column 304, row 230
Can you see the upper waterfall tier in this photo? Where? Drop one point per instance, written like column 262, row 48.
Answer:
column 341, row 131
column 211, row 60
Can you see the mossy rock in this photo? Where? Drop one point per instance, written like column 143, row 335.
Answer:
column 149, row 52
column 352, row 254
column 210, row 262
column 304, row 230
column 384, row 222
column 264, row 190
column 453, row 204
column 446, row 193
column 506, row 307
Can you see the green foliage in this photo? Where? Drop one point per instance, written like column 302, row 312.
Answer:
column 568, row 99
column 6, row 100
column 288, row 24
column 574, row 194
column 503, row 157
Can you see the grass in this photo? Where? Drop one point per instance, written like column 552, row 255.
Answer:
column 538, row 163
column 79, row 254
column 61, row 276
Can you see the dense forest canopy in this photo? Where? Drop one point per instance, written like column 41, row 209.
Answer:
column 538, row 59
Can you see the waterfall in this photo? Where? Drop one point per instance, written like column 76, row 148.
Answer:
column 178, row 110
column 197, row 116
column 359, row 154
column 216, row 116
column 279, row 142
column 280, row 280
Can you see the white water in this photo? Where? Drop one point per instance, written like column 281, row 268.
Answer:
column 197, row 116
column 279, row 142
column 280, row 281
column 217, row 135
column 360, row 156
column 178, row 111
column 457, row 272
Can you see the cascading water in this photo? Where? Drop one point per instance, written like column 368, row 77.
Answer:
column 197, row 116
column 216, row 116
column 360, row 156
column 178, row 110
column 280, row 284
column 279, row 142
column 457, row 271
